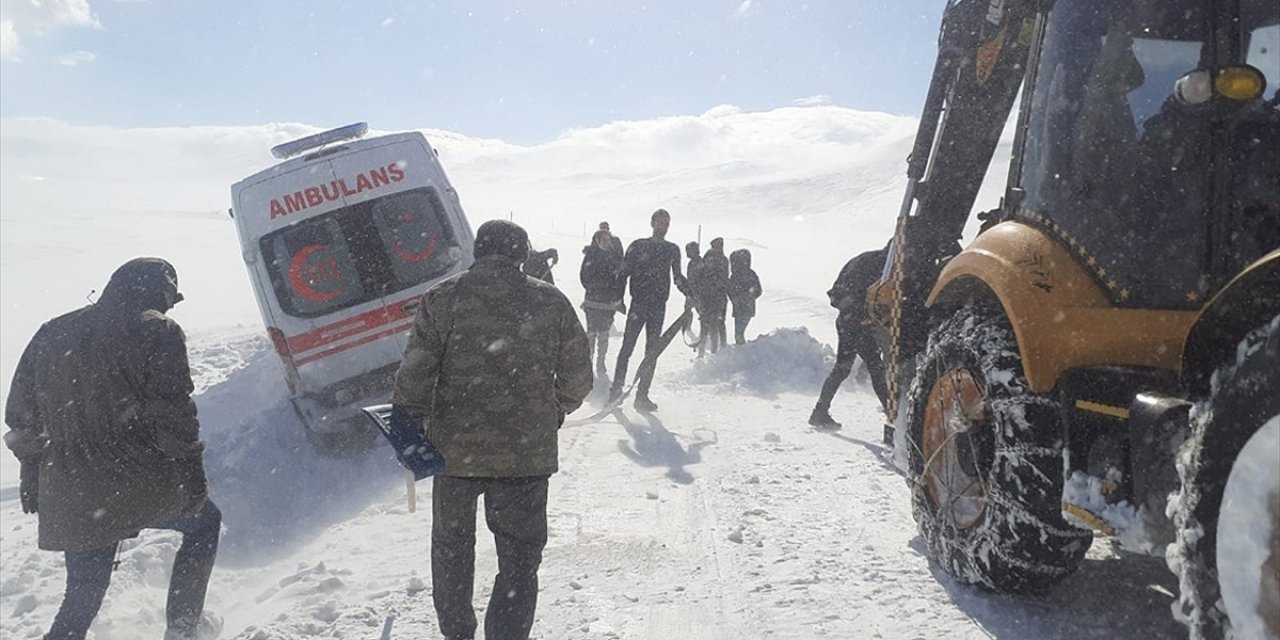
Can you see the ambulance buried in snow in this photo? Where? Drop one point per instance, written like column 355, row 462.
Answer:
column 340, row 241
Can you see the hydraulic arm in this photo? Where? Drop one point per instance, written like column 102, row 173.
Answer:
column 982, row 58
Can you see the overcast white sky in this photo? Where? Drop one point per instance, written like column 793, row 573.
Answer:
column 523, row 71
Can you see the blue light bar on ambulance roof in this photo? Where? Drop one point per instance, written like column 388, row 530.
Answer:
column 341, row 134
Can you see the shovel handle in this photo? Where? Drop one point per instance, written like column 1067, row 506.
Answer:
column 411, row 491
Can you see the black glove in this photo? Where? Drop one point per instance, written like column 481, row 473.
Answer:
column 29, row 485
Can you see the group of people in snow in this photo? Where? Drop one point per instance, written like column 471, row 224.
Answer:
column 650, row 266
column 104, row 425
column 717, row 281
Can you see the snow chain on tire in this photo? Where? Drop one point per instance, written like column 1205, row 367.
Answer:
column 1020, row 542
column 1243, row 397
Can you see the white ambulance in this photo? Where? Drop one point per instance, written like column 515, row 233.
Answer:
column 340, row 240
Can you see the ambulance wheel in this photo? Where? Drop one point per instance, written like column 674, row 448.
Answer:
column 986, row 460
column 1228, row 508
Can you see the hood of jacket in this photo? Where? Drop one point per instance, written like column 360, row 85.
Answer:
column 141, row 284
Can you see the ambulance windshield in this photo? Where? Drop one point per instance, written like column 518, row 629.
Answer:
column 359, row 253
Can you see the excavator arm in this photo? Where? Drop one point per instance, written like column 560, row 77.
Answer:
column 982, row 57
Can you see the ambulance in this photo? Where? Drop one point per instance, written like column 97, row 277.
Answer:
column 340, row 241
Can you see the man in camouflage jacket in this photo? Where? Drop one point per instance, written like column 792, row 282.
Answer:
column 495, row 361
column 105, row 429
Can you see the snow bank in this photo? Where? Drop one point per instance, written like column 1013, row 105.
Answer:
column 787, row 359
column 274, row 490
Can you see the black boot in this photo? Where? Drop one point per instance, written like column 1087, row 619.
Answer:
column 643, row 403
column 821, row 419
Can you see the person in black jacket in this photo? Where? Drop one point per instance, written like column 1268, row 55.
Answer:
column 691, row 275
column 713, row 296
column 848, row 294
column 603, row 297
column 651, row 265
column 744, row 288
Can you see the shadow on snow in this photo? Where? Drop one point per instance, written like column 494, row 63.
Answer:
column 1128, row 596
column 652, row 445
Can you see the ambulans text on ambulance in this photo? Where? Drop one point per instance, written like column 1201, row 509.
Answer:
column 336, row 189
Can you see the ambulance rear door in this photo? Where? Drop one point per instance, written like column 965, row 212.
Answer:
column 415, row 233
column 328, row 317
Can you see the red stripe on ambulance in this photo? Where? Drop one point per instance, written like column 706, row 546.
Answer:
column 353, row 326
column 351, row 345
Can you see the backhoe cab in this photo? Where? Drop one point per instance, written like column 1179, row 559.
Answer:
column 1105, row 354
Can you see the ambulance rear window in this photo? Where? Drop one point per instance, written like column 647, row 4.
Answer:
column 412, row 235
column 358, row 253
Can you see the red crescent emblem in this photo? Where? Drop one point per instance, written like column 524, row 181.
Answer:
column 299, row 281
column 407, row 256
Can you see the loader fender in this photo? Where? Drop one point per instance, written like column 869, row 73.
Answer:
column 1244, row 304
column 1061, row 317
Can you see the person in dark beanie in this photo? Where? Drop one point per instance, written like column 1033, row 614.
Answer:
column 495, row 361
column 603, row 296
column 694, row 255
column 744, row 288
column 650, row 265
column 849, row 295
column 105, row 430
column 616, row 241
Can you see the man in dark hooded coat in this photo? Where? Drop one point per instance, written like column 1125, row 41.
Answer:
column 103, row 424
column 744, row 288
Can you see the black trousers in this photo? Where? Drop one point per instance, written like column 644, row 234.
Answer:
column 516, row 511
column 648, row 317
column 740, row 329
column 855, row 341
column 89, row 574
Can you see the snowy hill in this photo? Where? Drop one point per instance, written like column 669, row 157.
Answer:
column 721, row 516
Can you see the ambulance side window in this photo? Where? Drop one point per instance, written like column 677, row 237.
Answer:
column 312, row 268
column 414, row 236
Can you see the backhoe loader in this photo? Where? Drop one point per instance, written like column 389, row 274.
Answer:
column 1104, row 354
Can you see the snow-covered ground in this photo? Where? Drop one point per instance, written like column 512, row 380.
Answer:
column 722, row 515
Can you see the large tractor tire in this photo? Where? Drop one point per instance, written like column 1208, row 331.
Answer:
column 986, row 461
column 1232, row 453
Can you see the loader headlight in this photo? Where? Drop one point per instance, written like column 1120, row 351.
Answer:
column 1240, row 83
column 1194, row 88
